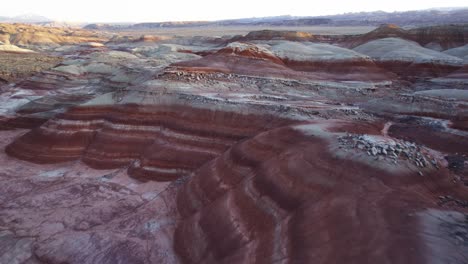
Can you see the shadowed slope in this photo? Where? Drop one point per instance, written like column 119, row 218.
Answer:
column 289, row 195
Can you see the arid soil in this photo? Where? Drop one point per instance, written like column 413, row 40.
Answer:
column 14, row 66
column 270, row 147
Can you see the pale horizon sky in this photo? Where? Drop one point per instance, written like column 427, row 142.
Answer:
column 201, row 10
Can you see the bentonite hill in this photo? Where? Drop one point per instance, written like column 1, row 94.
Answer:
column 271, row 146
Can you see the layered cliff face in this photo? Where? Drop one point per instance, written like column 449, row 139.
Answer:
column 160, row 143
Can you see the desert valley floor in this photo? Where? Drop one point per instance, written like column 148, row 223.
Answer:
column 270, row 146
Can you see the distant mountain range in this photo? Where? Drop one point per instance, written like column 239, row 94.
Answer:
column 409, row 18
column 436, row 16
column 39, row 20
column 26, row 18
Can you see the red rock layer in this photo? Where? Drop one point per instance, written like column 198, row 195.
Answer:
column 21, row 121
column 437, row 139
column 158, row 142
column 460, row 124
column 254, row 63
column 344, row 70
column 238, row 65
column 284, row 197
column 461, row 74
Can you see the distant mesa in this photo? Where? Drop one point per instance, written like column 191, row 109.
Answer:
column 29, row 35
column 143, row 38
column 435, row 37
column 277, row 35
column 408, row 18
column 151, row 38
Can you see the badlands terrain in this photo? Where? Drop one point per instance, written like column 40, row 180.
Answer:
column 271, row 146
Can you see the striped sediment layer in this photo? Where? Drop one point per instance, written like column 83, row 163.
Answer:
column 162, row 142
column 288, row 196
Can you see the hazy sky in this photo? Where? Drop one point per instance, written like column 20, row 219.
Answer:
column 174, row 10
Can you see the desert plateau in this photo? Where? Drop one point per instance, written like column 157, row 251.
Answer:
column 332, row 139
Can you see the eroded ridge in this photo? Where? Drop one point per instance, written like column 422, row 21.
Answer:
column 289, row 196
column 156, row 142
